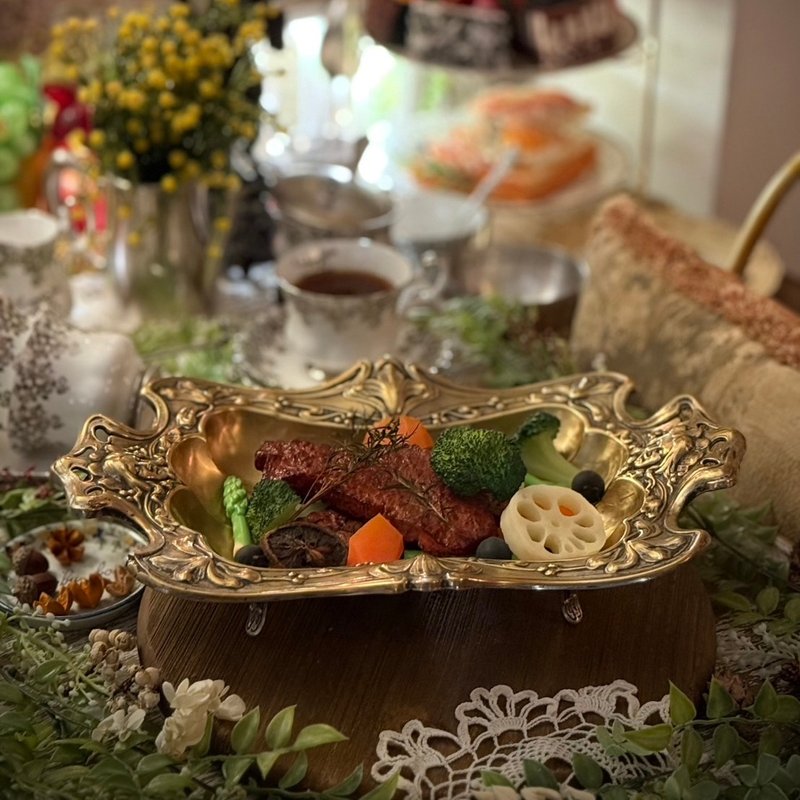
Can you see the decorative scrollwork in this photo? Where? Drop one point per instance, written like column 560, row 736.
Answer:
column 665, row 460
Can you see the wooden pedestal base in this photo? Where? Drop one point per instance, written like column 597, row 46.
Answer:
column 367, row 664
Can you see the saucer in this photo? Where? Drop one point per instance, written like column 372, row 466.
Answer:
column 265, row 357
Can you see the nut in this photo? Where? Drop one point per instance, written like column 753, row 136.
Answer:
column 28, row 588
column 28, row 561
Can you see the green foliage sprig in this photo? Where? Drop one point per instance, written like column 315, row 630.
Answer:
column 53, row 698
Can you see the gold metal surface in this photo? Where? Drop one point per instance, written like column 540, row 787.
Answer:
column 168, row 478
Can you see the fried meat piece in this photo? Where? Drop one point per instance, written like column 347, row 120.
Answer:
column 401, row 485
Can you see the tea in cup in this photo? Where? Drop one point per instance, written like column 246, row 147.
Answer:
column 345, row 300
column 29, row 271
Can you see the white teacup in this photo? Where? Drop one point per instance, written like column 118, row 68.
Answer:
column 61, row 377
column 345, row 300
column 29, row 271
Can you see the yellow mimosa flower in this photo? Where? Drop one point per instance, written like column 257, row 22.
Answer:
column 134, row 127
column 178, row 11
column 167, row 100
column 177, row 159
column 125, row 160
column 180, row 26
column 141, row 145
column 222, row 224
column 156, row 79
column 134, row 239
column 169, row 184
column 169, row 47
column 219, row 159
column 97, row 139
column 149, row 44
column 124, row 211
column 113, row 89
column 191, row 170
column 208, row 89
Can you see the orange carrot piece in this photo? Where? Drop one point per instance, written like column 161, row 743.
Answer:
column 411, row 429
column 376, row 541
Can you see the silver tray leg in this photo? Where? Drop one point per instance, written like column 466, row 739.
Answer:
column 256, row 615
column 571, row 608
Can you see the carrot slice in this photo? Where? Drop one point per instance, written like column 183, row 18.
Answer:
column 411, row 429
column 376, row 541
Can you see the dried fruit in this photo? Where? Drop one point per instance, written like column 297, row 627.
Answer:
column 27, row 561
column 28, row 588
column 66, row 544
column 303, row 544
column 59, row 606
column 122, row 583
column 87, row 592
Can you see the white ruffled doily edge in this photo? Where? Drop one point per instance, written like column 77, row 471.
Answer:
column 499, row 728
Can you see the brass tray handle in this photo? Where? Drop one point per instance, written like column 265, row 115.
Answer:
column 761, row 213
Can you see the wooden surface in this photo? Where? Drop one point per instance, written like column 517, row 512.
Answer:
column 368, row 664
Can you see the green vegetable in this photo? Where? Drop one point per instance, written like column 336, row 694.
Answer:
column 234, row 498
column 543, row 463
column 472, row 460
column 272, row 503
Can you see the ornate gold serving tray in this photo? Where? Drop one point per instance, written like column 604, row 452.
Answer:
column 167, row 478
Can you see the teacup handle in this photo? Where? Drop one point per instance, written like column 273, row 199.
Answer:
column 426, row 287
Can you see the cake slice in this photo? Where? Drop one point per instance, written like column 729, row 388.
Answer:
column 676, row 324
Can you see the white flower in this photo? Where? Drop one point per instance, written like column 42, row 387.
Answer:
column 540, row 793
column 122, row 723
column 180, row 732
column 192, row 704
column 205, row 696
column 497, row 793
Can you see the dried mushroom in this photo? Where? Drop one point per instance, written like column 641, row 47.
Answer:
column 122, row 583
column 88, row 591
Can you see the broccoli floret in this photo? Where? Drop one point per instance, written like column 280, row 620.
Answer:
column 543, row 463
column 234, row 499
column 271, row 504
column 472, row 460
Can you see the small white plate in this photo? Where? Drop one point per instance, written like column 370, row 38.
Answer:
column 266, row 358
column 107, row 545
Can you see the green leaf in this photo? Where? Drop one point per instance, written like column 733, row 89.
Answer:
column 705, row 790
column 767, row 600
column 279, row 730
column 15, row 722
column 153, row 762
column 767, row 768
column 491, row 778
column 792, row 609
column 766, row 703
column 793, row 768
column 10, row 694
column 672, row 789
column 747, row 774
column 787, row 711
column 538, row 775
column 385, row 791
column 615, row 793
column 110, row 767
column 726, row 744
column 296, row 772
column 587, row 771
column 316, row 736
column 653, row 738
column 681, row 708
column 770, row 741
column 244, row 731
column 234, row 767
column 771, row 792
column 349, row 784
column 720, row 703
column 47, row 670
column 691, row 749
column 61, row 775
column 733, row 601
column 266, row 761
column 168, row 783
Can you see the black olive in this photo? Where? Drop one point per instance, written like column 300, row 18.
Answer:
column 494, row 547
column 253, row 556
column 590, row 485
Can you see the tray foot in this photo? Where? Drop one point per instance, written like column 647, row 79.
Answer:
column 571, row 608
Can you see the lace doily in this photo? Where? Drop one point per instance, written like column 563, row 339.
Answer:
column 499, row 728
